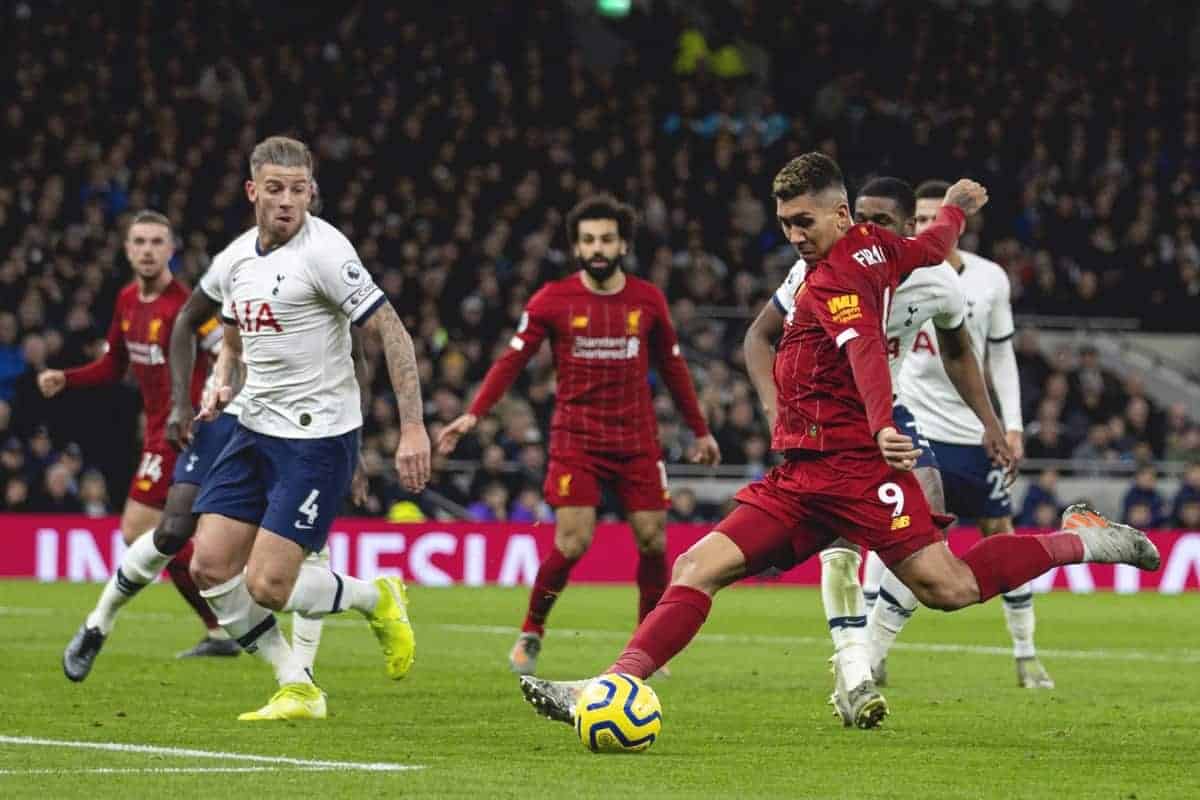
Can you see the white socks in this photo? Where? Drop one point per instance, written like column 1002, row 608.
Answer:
column 892, row 610
column 896, row 605
column 844, row 609
column 255, row 629
column 140, row 565
column 306, row 638
column 1018, row 613
column 320, row 591
column 872, row 575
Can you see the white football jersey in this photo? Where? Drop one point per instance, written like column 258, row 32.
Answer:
column 294, row 306
column 929, row 293
column 924, row 386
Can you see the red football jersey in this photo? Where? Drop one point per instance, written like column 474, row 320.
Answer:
column 831, row 372
column 603, row 347
column 140, row 336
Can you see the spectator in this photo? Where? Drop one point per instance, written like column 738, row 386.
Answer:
column 684, row 507
column 1143, row 505
column 16, row 494
column 492, row 505
column 1039, row 496
column 93, row 494
column 58, row 495
column 12, row 362
column 1185, row 506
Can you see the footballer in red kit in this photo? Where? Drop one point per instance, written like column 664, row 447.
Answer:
column 848, row 471
column 607, row 329
column 138, row 340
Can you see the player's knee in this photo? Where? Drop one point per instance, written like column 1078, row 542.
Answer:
column 174, row 532
column 946, row 595
column 573, row 544
column 206, row 572
column 269, row 591
column 690, row 569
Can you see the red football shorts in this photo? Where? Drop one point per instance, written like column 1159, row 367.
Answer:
column 801, row 506
column 153, row 477
column 640, row 480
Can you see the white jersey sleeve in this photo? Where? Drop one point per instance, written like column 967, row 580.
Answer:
column 1000, row 321
column 785, row 296
column 339, row 275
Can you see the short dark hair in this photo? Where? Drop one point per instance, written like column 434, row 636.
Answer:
column 602, row 206
column 933, row 189
column 807, row 174
column 893, row 189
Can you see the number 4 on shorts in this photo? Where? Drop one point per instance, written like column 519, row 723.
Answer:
column 309, row 509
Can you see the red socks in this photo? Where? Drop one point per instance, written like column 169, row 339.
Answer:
column 1006, row 560
column 652, row 579
column 664, row 632
column 177, row 568
column 551, row 578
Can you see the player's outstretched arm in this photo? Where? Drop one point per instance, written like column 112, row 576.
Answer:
column 758, row 345
column 412, row 454
column 181, row 359
column 109, row 368
column 964, row 372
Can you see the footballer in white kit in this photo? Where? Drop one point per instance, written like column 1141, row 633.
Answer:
column 926, row 295
column 976, row 487
column 288, row 291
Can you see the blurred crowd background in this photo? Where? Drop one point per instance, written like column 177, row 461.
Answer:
column 449, row 149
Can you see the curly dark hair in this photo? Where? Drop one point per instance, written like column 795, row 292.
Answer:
column 807, row 174
column 601, row 206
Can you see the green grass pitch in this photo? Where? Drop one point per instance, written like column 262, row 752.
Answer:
column 744, row 712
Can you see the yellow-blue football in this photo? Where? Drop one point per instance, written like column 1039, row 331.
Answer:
column 618, row 713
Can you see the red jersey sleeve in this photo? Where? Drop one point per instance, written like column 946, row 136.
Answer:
column 664, row 345
column 929, row 248
column 848, row 303
column 111, row 366
column 534, row 327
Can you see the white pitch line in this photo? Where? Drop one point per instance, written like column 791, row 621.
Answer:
column 184, row 752
column 1178, row 656
column 1173, row 656
column 156, row 770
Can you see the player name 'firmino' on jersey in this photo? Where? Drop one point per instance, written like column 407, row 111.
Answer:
column 293, row 307
column 931, row 293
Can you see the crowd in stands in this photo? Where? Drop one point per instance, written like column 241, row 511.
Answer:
column 449, row 150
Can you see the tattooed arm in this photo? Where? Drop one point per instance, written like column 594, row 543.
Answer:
column 412, row 456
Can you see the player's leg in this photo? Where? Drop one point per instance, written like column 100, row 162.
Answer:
column 641, row 485
column 573, row 490
column 137, row 519
column 873, row 570
column 897, row 603
column 308, row 480
column 712, row 563
column 172, row 540
column 845, row 611
column 1019, row 617
column 747, row 541
column 1001, row 562
column 306, row 631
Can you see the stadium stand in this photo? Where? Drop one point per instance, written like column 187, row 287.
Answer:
column 449, row 149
